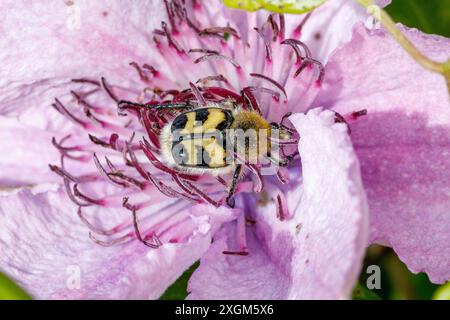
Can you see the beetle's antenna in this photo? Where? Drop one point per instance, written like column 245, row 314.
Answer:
column 123, row 105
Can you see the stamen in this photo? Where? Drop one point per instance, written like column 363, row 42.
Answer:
column 80, row 99
column 281, row 207
column 273, row 82
column 284, row 142
column 89, row 200
column 218, row 31
column 170, row 38
column 201, row 194
column 224, row 93
column 356, row 114
column 63, row 173
column 182, row 186
column 215, row 56
column 241, row 238
column 142, row 75
column 151, row 69
column 106, row 175
column 198, row 95
column 308, row 62
column 129, row 181
column 274, row 26
column 282, row 26
column 283, row 175
column 190, row 23
column 236, row 253
column 65, row 150
column 136, row 163
column 298, row 29
column 260, row 181
column 109, row 243
column 109, row 90
column 266, row 44
column 170, row 15
column 71, row 195
column 222, row 181
column 99, row 142
column 172, row 193
column 95, row 229
column 85, row 80
column 294, row 44
column 151, row 134
column 250, row 99
column 62, row 109
column 205, row 80
column 274, row 94
column 157, row 243
column 347, row 119
column 204, row 51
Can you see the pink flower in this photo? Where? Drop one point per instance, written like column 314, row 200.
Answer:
column 302, row 233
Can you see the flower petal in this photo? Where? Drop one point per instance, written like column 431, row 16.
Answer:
column 403, row 142
column 331, row 25
column 46, row 248
column 45, row 45
column 223, row 276
column 25, row 163
column 317, row 252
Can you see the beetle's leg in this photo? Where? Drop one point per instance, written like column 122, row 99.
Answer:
column 232, row 190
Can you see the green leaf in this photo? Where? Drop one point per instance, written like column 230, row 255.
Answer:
column 11, row 291
column 360, row 292
column 443, row 292
column 280, row 6
column 430, row 16
column 178, row 290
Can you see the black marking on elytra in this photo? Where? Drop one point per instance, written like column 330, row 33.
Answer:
column 201, row 115
column 228, row 121
column 179, row 122
column 225, row 124
column 202, row 157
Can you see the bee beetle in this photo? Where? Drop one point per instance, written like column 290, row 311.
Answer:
column 219, row 138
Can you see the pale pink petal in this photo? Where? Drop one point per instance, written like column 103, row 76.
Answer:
column 45, row 247
column 317, row 252
column 331, row 25
column 26, row 153
column 47, row 43
column 223, row 276
column 403, row 142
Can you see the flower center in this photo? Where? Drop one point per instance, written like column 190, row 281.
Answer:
column 195, row 67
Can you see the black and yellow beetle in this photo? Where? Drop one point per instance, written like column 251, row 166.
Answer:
column 214, row 138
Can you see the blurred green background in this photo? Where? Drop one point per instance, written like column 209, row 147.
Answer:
column 430, row 16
